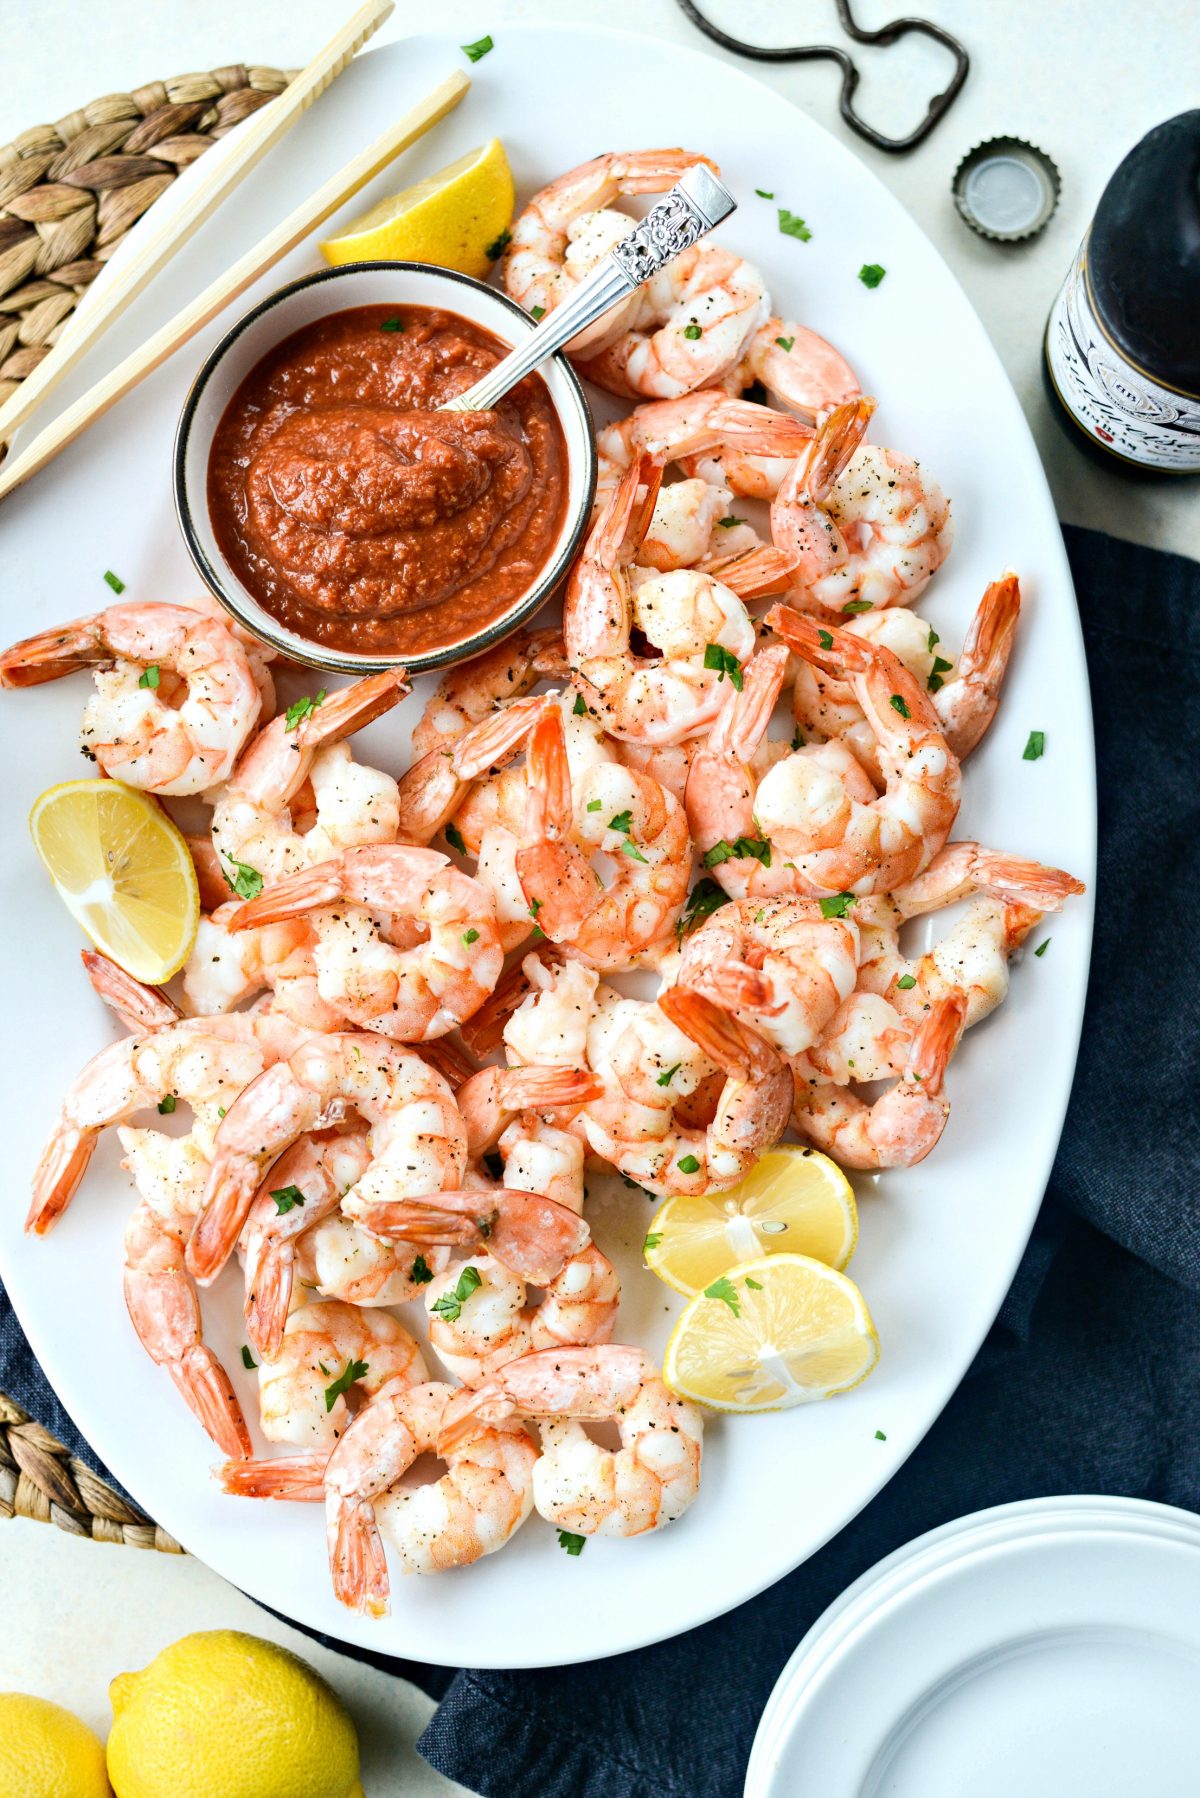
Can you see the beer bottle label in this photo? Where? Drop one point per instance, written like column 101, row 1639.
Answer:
column 1112, row 399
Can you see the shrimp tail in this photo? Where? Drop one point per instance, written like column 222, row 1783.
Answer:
column 351, row 709
column 208, row 1390
column 493, row 1096
column 835, row 443
column 534, row 1237
column 269, row 1282
column 738, row 987
column 1026, row 882
column 298, row 1478
column 230, row 1194
column 935, row 1042
column 357, row 1560
column 754, row 572
column 833, row 651
column 467, row 1411
column 723, row 1038
column 139, row 1007
column 304, row 891
column 63, row 1164
column 51, row 654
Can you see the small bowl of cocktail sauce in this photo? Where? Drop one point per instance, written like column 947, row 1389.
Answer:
column 338, row 513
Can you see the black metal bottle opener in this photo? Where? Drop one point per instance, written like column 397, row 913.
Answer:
column 939, row 105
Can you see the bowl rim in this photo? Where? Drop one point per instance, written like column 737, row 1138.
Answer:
column 247, row 613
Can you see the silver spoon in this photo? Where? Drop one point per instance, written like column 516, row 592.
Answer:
column 694, row 205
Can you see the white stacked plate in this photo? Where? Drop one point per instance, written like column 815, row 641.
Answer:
column 1047, row 1649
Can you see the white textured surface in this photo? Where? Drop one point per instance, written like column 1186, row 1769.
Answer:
column 1084, row 79
column 77, row 1613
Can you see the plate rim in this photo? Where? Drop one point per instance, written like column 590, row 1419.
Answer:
column 1053, row 569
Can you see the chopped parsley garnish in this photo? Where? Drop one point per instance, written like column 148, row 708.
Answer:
column 871, row 274
column 593, row 805
column 535, row 906
column 392, row 324
column 571, row 1542
column 716, row 656
column 1042, row 947
column 666, row 1079
column 727, row 524
column 479, row 48
column 353, row 1370
column 247, row 882
column 879, row 1436
column 653, row 1238
column 692, row 332
column 742, row 849
column 470, row 936
column 220, row 1111
column 837, row 905
column 579, row 709
column 630, row 848
column 454, row 837
column 725, row 1290
column 286, row 1199
column 303, row 708
column 755, row 1285
column 537, row 312
column 497, row 248
column 167, row 1104
column 898, row 705
column 114, row 581
column 792, row 225
column 248, row 1360
column 420, row 1273
column 687, row 1164
column 1036, row 746
column 785, row 343
column 149, row 676
column 932, row 640
column 763, row 194
column 450, row 1304
column 622, row 822
column 937, row 674
column 825, row 639
column 855, row 606
column 705, row 898
column 906, row 982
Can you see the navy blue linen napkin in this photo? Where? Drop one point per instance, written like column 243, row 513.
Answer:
column 1089, row 1380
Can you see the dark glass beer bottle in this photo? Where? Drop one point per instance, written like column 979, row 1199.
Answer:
column 1122, row 348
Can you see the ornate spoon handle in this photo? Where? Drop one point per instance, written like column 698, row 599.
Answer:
column 694, row 205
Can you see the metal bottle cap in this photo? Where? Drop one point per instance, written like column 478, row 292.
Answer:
column 1006, row 189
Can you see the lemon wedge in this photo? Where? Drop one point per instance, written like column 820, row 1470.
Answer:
column 772, row 1333
column 457, row 218
column 794, row 1201
column 123, row 872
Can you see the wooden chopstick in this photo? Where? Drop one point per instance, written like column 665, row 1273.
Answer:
column 261, row 134
column 176, row 332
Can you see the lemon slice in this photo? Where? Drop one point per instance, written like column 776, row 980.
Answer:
column 123, row 871
column 772, row 1333
column 794, row 1201
column 457, row 218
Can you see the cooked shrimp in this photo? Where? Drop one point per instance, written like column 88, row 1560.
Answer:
column 578, row 1485
column 165, row 1312
column 900, row 1128
column 175, row 695
column 226, row 966
column 677, row 693
column 493, row 1097
column 624, row 814
column 777, row 964
column 569, row 226
column 655, row 1148
column 293, row 1231
column 711, row 434
column 327, row 1350
column 839, row 841
column 418, row 1141
column 964, row 697
column 864, row 526
column 435, row 787
column 798, row 369
column 254, row 828
column 409, row 993
column 473, row 691
column 550, row 1021
column 493, row 1324
column 497, row 801
column 693, row 321
column 139, row 1007
column 205, row 1062
column 723, row 785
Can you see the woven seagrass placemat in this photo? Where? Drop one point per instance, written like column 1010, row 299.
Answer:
column 69, row 194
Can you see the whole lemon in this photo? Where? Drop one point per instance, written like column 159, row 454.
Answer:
column 45, row 1751
column 221, row 1712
